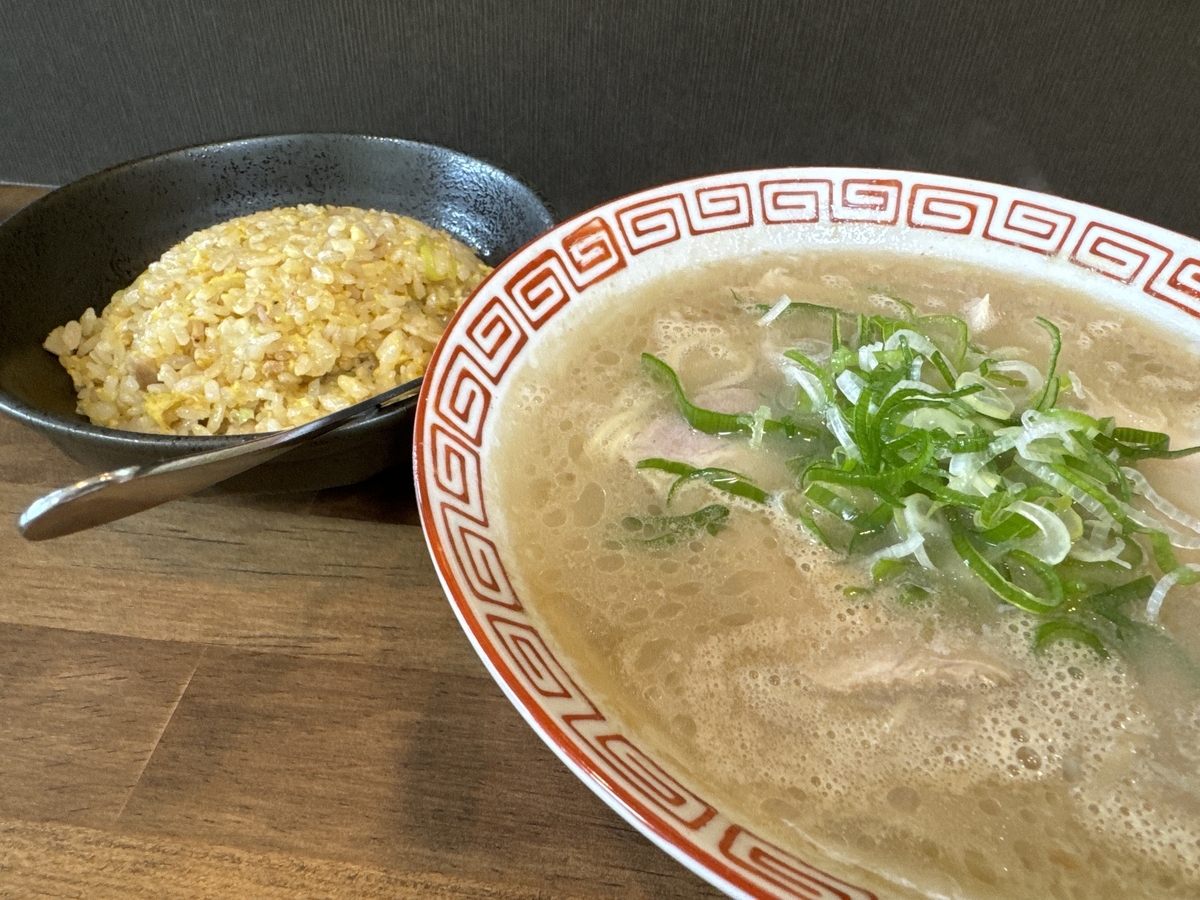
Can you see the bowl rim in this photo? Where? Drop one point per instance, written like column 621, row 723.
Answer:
column 62, row 427
column 467, row 371
column 159, row 156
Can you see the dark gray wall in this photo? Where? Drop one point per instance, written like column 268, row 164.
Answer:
column 1098, row 101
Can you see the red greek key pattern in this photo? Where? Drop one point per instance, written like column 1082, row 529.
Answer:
column 665, row 219
column 796, row 200
column 655, row 784
column 532, row 658
column 592, row 251
column 1186, row 278
column 496, row 334
column 652, row 223
column 540, row 288
column 462, row 395
column 719, row 208
column 945, row 209
column 1118, row 254
column 874, row 200
column 1032, row 226
column 456, row 472
column 1181, row 288
column 791, row 877
column 478, row 560
column 639, row 774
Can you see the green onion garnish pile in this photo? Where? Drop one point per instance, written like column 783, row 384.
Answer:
column 913, row 448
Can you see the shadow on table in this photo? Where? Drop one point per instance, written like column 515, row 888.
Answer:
column 388, row 497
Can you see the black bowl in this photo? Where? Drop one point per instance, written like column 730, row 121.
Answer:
column 76, row 246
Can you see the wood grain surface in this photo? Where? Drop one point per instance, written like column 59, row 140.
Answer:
column 270, row 697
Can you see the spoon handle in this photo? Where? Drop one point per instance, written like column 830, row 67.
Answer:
column 122, row 492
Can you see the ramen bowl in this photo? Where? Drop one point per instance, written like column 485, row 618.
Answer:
column 74, row 247
column 595, row 268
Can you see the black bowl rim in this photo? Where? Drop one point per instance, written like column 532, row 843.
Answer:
column 117, row 439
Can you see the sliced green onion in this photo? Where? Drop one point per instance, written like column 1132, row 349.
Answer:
column 909, row 441
column 1132, row 444
column 820, row 372
column 886, row 568
column 722, row 479
column 1000, row 586
column 1049, row 632
column 835, row 503
column 951, row 336
column 666, row 531
column 1108, row 603
column 1171, row 511
column 1188, row 574
column 706, row 420
column 1050, row 389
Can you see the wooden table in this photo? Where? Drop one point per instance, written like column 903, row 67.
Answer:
column 270, row 697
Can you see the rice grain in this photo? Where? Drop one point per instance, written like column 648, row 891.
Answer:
column 268, row 321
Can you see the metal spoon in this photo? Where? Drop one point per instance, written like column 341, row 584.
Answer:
column 122, row 492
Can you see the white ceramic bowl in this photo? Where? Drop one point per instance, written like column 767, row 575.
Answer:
column 637, row 239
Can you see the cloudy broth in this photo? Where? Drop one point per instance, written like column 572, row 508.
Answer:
column 920, row 748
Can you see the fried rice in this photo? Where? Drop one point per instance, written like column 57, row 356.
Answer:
column 268, row 321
